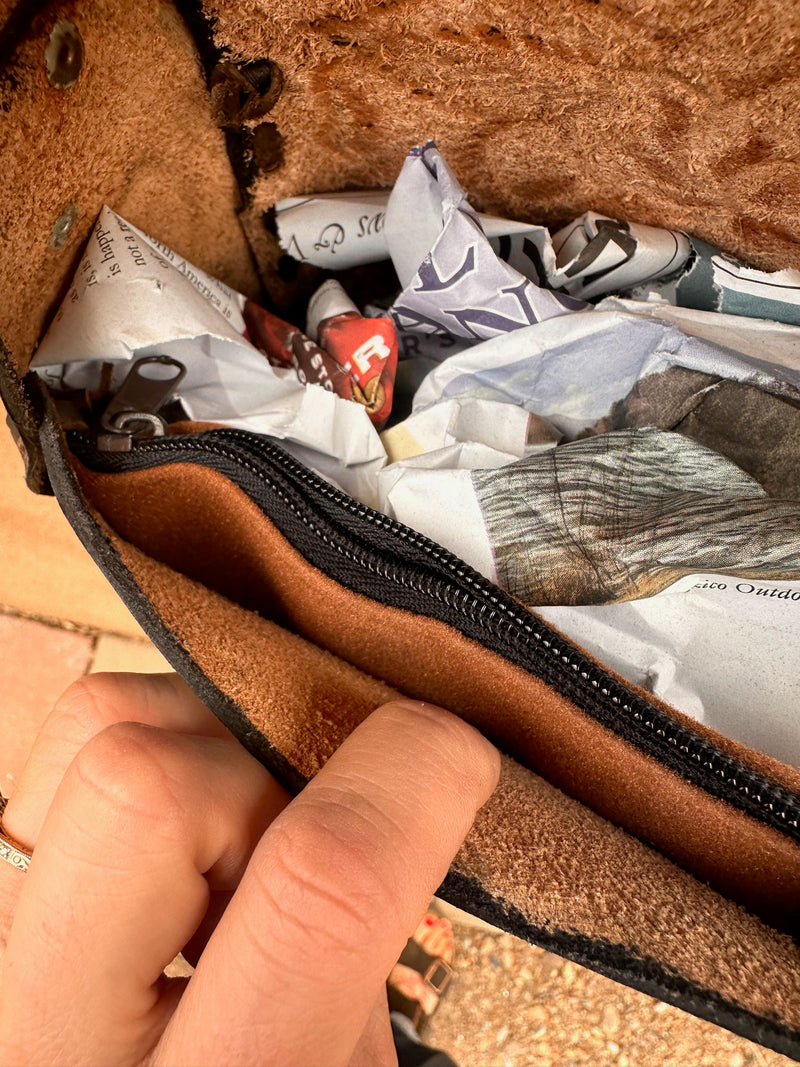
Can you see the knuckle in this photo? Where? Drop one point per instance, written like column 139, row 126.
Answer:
column 86, row 707
column 126, row 769
column 328, row 864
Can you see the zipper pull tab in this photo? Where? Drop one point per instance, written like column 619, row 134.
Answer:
column 132, row 413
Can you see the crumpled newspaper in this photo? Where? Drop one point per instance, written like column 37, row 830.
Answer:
column 594, row 255
column 573, row 369
column 479, row 465
column 452, row 280
column 719, row 648
column 132, row 296
column 336, row 231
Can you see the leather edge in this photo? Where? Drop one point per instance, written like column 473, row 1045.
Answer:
column 74, row 506
column 621, row 963
column 23, row 399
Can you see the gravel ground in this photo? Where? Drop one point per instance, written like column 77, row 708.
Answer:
column 512, row 1005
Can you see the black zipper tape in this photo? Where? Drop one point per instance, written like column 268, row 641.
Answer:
column 388, row 562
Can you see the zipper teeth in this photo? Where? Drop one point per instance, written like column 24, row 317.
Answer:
column 503, row 619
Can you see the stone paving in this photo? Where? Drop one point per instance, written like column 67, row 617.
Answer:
column 510, row 1005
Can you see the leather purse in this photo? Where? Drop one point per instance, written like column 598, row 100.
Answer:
column 623, row 835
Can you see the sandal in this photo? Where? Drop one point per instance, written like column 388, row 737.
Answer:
column 423, row 973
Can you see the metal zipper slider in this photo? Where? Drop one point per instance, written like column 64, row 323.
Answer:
column 132, row 413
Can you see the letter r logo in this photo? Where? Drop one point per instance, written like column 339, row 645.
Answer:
column 374, row 348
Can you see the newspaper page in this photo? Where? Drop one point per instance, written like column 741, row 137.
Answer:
column 336, row 231
column 132, row 296
column 722, row 648
column 535, row 447
column 658, row 555
column 597, row 255
column 714, row 281
column 592, row 256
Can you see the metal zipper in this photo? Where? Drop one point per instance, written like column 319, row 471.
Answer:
column 133, row 411
column 423, row 577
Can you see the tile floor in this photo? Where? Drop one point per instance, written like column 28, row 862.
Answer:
column 59, row 617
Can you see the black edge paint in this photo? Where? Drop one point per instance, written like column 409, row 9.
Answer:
column 74, row 506
column 621, row 963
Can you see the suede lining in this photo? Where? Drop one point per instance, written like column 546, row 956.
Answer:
column 544, row 110
column 621, row 963
column 564, row 868
column 134, row 131
column 533, row 848
column 666, row 113
column 194, row 520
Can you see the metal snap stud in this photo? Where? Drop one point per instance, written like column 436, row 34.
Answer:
column 62, row 227
column 64, row 55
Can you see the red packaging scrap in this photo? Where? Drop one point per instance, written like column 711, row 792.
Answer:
column 356, row 357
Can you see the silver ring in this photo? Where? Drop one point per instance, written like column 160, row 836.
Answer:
column 11, row 851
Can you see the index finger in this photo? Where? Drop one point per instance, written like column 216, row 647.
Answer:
column 334, row 889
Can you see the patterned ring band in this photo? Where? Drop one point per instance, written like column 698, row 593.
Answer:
column 10, row 851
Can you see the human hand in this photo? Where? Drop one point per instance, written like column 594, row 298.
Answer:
column 154, row 832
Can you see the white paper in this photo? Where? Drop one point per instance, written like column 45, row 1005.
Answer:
column 452, row 279
column 132, row 296
column 441, row 504
column 762, row 339
column 499, row 427
column 596, row 255
column 329, row 301
column 128, row 293
column 336, row 231
column 723, row 650
column 571, row 370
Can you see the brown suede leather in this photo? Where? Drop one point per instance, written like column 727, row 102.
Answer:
column 662, row 112
column 135, row 132
column 668, row 113
column 199, row 523
column 564, row 867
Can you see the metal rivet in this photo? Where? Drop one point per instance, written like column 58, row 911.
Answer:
column 62, row 227
column 64, row 55
column 242, row 93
